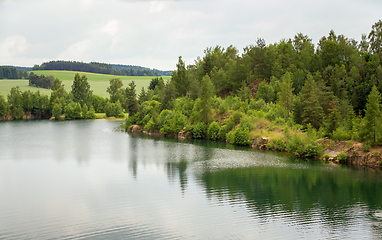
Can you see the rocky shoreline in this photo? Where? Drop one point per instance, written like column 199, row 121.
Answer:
column 344, row 152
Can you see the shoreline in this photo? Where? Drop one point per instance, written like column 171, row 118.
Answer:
column 342, row 152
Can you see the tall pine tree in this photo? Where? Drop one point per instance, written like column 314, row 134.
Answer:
column 371, row 130
column 286, row 93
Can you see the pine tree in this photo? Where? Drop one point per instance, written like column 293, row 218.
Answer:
column 205, row 96
column 372, row 120
column 311, row 109
column 180, row 78
column 286, row 93
column 131, row 99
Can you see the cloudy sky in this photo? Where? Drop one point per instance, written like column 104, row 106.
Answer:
column 154, row 33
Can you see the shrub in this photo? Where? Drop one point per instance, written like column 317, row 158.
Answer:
column 296, row 145
column 213, row 130
column 199, row 130
column 342, row 157
column 114, row 110
column 68, row 111
column 349, row 144
column 77, row 111
column 366, row 147
column 57, row 110
column 241, row 136
column 17, row 112
column 151, row 125
column 91, row 113
column 341, row 134
column 178, row 122
column 280, row 144
column 326, row 156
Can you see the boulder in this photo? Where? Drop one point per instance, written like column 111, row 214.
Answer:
column 134, row 129
column 184, row 135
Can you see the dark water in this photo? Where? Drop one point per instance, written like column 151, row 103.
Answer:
column 82, row 180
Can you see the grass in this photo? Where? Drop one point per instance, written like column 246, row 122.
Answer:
column 98, row 82
column 103, row 116
column 6, row 85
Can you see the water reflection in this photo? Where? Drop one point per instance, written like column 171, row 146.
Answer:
column 82, row 179
column 275, row 186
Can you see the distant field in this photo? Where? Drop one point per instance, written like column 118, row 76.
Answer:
column 6, row 85
column 98, row 82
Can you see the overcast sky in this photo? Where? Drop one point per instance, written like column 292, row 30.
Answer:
column 155, row 33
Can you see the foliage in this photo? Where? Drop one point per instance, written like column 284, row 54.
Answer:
column 213, row 130
column 114, row 110
column 115, row 90
column 131, row 99
column 241, row 136
column 372, row 128
column 40, row 81
column 4, row 107
column 199, row 130
column 81, row 90
column 342, row 156
column 57, row 110
column 366, row 147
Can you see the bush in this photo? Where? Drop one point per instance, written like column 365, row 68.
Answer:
column 213, row 130
column 91, row 113
column 341, row 134
column 342, row 157
column 57, row 110
column 326, row 156
column 199, row 130
column 17, row 112
column 68, row 111
column 77, row 111
column 241, row 136
column 114, row 110
column 296, row 145
column 151, row 125
column 366, row 147
column 280, row 144
column 229, row 125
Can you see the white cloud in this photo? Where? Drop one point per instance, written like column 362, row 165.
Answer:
column 110, row 28
column 156, row 32
column 76, row 51
column 157, row 6
column 13, row 46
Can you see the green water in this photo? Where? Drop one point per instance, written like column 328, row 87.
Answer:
column 84, row 180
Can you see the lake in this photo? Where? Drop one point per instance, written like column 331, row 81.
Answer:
column 85, row 180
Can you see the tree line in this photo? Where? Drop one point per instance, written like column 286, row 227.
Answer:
column 329, row 90
column 103, row 68
column 8, row 72
column 79, row 103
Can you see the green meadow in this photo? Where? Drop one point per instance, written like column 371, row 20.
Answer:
column 98, row 82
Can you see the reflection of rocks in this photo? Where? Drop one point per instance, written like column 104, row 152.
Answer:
column 155, row 133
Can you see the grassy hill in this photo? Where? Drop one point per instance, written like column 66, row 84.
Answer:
column 98, row 82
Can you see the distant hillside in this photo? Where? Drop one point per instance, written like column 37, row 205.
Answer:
column 21, row 68
column 103, row 68
column 129, row 67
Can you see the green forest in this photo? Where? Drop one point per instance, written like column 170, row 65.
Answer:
column 292, row 93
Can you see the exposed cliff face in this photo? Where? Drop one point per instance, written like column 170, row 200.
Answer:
column 354, row 151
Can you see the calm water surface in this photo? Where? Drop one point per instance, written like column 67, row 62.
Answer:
column 84, row 180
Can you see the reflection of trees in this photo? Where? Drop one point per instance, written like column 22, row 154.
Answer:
column 267, row 190
column 133, row 157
